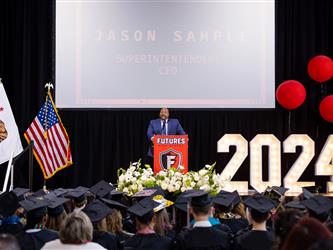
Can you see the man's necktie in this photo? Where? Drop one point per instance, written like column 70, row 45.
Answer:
column 164, row 128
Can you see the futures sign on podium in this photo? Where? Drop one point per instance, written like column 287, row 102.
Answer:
column 170, row 151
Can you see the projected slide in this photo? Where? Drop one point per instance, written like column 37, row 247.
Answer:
column 175, row 53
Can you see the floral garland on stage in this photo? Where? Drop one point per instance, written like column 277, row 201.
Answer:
column 173, row 181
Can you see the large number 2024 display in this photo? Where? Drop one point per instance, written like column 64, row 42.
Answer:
column 323, row 165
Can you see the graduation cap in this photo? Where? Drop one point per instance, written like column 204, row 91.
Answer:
column 259, row 203
column 56, row 205
column 280, row 190
column 143, row 207
column 294, row 204
column 78, row 194
column 163, row 203
column 40, row 192
column 116, row 192
column 275, row 193
column 36, row 207
column 309, row 192
column 199, row 198
column 113, row 203
column 158, row 191
column 9, row 203
column 145, row 193
column 97, row 211
column 102, row 188
column 61, row 192
column 227, row 199
column 182, row 201
column 318, row 204
column 20, row 192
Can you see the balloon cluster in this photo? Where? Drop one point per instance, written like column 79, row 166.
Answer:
column 291, row 94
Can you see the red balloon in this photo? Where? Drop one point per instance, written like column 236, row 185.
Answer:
column 326, row 108
column 291, row 94
column 320, row 68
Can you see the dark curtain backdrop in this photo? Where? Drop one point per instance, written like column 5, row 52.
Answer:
column 103, row 140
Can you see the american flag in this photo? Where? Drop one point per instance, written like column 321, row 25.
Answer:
column 51, row 142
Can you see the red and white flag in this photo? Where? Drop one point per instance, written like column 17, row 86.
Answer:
column 10, row 141
column 51, row 141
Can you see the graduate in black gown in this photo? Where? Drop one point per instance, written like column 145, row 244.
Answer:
column 10, row 222
column 115, row 220
column 202, row 235
column 35, row 235
column 146, row 238
column 258, row 212
column 97, row 212
column 230, row 210
column 181, row 204
column 79, row 198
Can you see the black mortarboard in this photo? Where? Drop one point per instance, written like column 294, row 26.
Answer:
column 78, row 194
column 97, row 211
column 114, row 204
column 145, row 193
column 309, row 192
column 102, row 189
column 20, row 192
column 40, row 192
column 182, row 201
column 61, row 191
column 199, row 198
column 280, row 190
column 259, row 203
column 115, row 192
column 275, row 193
column 56, row 205
column 35, row 206
column 294, row 204
column 227, row 199
column 158, row 191
column 318, row 204
column 143, row 207
column 9, row 203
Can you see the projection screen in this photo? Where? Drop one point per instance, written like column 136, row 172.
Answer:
column 175, row 53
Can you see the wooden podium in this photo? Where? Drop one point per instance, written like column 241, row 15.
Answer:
column 170, row 151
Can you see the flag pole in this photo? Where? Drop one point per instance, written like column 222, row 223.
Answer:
column 10, row 163
column 49, row 86
column 31, row 164
column 44, row 186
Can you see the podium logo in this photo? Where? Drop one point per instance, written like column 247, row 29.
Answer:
column 170, row 159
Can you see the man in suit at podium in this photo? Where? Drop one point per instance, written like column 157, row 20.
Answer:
column 163, row 126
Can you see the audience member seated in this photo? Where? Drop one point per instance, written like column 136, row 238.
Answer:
column 305, row 233
column 258, row 212
column 75, row 233
column 8, row 242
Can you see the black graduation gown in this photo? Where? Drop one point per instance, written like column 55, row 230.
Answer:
column 106, row 240
column 223, row 228
column 202, row 238
column 235, row 224
column 36, row 240
column 254, row 240
column 123, row 237
column 12, row 229
column 148, row 242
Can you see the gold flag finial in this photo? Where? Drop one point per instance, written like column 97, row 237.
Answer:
column 49, row 86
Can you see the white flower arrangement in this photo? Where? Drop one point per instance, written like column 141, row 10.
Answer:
column 172, row 180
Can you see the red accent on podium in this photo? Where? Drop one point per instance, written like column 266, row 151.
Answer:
column 170, row 151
